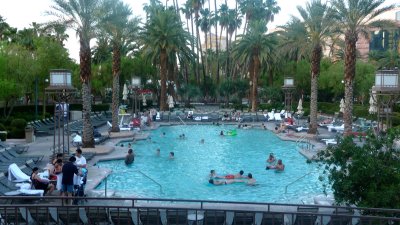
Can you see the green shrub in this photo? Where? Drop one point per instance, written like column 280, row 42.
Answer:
column 18, row 123
column 17, row 133
column 2, row 127
column 3, row 136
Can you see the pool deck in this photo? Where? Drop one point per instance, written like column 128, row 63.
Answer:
column 109, row 150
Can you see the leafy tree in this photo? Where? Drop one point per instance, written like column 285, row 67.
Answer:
column 9, row 93
column 353, row 18
column 81, row 16
column 367, row 175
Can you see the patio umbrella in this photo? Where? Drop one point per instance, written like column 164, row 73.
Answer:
column 372, row 106
column 125, row 93
column 341, row 106
column 144, row 100
column 300, row 107
column 170, row 101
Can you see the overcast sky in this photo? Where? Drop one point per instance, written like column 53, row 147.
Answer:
column 21, row 13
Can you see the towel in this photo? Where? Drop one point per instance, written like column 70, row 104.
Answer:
column 16, row 175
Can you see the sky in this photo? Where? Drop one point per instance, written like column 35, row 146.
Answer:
column 21, row 13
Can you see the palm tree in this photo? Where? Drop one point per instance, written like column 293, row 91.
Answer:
column 81, row 17
column 354, row 17
column 317, row 22
column 118, row 27
column 163, row 36
column 216, row 19
column 254, row 48
column 205, row 24
column 196, row 6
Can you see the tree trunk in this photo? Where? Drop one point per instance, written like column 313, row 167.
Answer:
column 256, row 69
column 195, row 66
column 227, row 52
column 349, row 74
column 236, row 11
column 216, row 40
column 205, row 54
column 85, row 75
column 163, row 76
column 201, row 49
column 116, row 69
column 315, row 68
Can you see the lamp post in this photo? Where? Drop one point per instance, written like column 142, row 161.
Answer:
column 62, row 90
column 135, row 85
column 385, row 93
column 288, row 88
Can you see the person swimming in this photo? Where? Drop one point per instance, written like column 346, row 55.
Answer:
column 222, row 182
column 271, row 158
column 221, row 133
column 279, row 166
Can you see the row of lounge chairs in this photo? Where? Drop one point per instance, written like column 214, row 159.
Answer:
column 97, row 120
column 151, row 216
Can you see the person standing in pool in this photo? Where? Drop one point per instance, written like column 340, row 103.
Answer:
column 158, row 152
column 279, row 166
column 271, row 158
column 221, row 133
column 130, row 157
column 251, row 181
column 171, row 155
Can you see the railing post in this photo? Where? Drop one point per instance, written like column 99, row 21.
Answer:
column 105, row 187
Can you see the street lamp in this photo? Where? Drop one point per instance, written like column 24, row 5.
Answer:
column 385, row 93
column 62, row 90
column 288, row 88
column 135, row 85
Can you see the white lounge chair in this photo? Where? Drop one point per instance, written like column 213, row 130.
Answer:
column 332, row 128
column 271, row 116
column 277, row 116
column 158, row 116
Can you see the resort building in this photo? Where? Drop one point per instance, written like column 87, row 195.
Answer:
column 211, row 42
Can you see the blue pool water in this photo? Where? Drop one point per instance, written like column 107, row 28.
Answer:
column 186, row 176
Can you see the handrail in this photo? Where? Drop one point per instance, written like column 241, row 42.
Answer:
column 151, row 180
column 181, row 120
column 286, row 187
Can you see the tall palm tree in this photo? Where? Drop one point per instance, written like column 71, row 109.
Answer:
column 216, row 19
column 254, row 48
column 163, row 36
column 205, row 24
column 318, row 22
column 354, row 18
column 235, row 21
column 197, row 5
column 81, row 16
column 116, row 24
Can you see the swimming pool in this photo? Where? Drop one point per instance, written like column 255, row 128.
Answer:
column 186, row 176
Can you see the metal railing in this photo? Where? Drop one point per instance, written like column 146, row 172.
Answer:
column 151, row 180
column 145, row 211
column 286, row 187
column 181, row 120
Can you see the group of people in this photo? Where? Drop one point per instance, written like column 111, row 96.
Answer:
column 279, row 166
column 64, row 175
column 231, row 178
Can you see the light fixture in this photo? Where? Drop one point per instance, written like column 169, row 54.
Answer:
column 60, row 78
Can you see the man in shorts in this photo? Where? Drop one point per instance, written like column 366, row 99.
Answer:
column 67, row 184
column 80, row 160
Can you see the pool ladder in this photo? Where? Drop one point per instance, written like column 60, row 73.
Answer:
column 304, row 143
column 286, row 187
column 161, row 190
column 181, row 120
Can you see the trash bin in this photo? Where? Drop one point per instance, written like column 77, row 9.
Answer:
column 29, row 134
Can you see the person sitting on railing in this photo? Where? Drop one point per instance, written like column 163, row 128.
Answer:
column 41, row 183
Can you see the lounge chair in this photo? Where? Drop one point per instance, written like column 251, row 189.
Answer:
column 214, row 217
column 243, row 218
column 306, row 216
column 273, row 218
column 98, row 215
column 341, row 216
column 15, row 216
column 177, row 217
column 121, row 216
column 71, row 215
column 150, row 216
column 44, row 215
column 277, row 117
